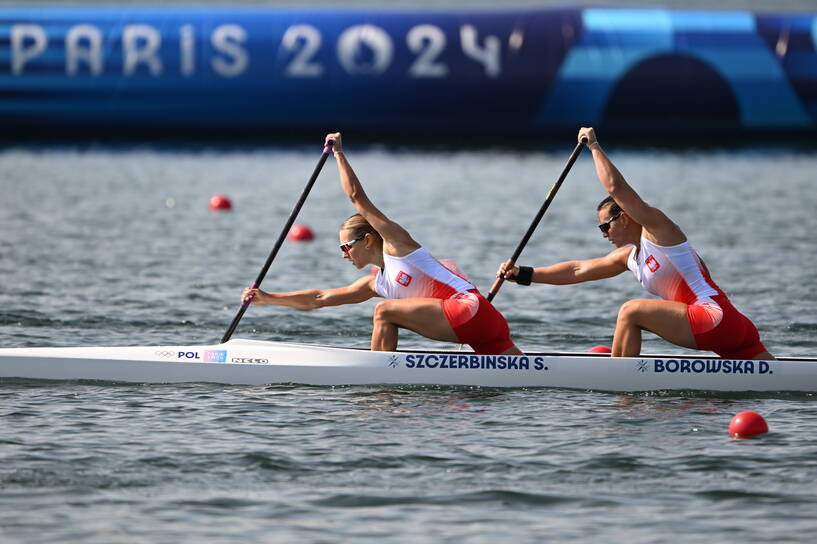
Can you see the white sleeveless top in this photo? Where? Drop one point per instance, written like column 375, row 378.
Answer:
column 418, row 274
column 672, row 272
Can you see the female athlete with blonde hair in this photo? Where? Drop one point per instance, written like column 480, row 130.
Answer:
column 421, row 294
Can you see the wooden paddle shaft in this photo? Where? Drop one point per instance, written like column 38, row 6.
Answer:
column 553, row 190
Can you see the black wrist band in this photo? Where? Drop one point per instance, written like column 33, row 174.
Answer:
column 525, row 275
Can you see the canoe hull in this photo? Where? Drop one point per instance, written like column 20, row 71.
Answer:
column 256, row 362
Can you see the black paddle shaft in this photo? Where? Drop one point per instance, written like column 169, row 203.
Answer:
column 326, row 152
column 553, row 190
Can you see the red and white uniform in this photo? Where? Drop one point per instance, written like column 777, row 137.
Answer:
column 672, row 272
column 419, row 275
column 677, row 273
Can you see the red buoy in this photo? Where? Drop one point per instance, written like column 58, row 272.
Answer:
column 600, row 349
column 220, row 203
column 747, row 424
column 301, row 233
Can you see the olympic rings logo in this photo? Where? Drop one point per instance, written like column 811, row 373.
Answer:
column 166, row 354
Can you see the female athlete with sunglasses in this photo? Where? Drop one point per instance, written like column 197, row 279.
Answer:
column 421, row 293
column 693, row 313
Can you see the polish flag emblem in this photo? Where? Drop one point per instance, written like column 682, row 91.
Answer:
column 652, row 264
column 403, row 279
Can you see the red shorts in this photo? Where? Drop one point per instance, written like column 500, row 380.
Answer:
column 477, row 323
column 723, row 329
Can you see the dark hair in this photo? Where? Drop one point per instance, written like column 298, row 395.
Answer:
column 358, row 225
column 615, row 209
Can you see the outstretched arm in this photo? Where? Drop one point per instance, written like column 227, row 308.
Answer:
column 569, row 272
column 396, row 240
column 658, row 226
column 310, row 299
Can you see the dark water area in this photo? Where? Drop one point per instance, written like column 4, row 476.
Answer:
column 115, row 245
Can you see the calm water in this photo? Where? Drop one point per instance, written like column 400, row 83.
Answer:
column 116, row 246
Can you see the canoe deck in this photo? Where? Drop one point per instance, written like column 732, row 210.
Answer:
column 255, row 362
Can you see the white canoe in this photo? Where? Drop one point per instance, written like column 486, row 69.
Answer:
column 242, row 361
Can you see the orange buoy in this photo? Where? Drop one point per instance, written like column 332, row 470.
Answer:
column 301, row 233
column 600, row 349
column 220, row 203
column 747, row 424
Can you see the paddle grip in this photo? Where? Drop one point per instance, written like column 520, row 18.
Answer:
column 497, row 284
column 247, row 302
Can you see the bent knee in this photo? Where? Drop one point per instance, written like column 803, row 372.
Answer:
column 632, row 310
column 383, row 310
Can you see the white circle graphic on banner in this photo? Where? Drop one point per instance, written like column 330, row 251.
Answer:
column 365, row 50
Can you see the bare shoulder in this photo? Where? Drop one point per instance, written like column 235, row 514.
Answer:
column 360, row 290
column 365, row 283
column 662, row 230
column 397, row 241
column 619, row 256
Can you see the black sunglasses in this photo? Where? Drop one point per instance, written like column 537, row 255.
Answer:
column 605, row 227
column 345, row 247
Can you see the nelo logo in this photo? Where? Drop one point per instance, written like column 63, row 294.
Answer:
column 249, row 360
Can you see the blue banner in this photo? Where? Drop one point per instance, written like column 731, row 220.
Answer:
column 450, row 72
